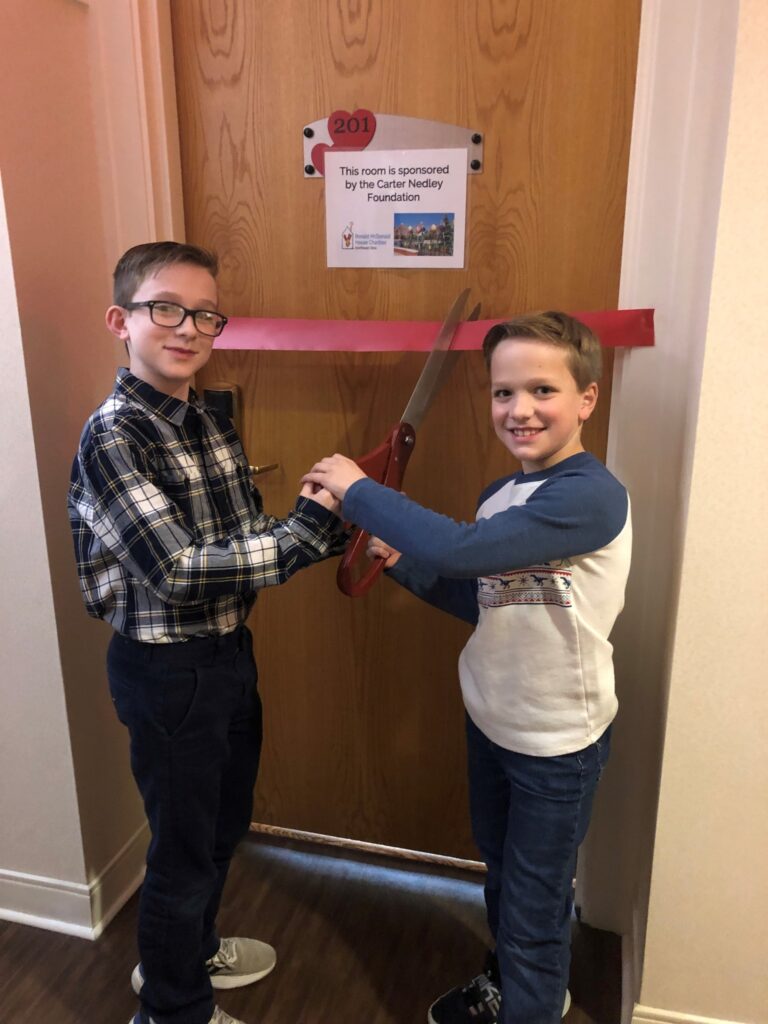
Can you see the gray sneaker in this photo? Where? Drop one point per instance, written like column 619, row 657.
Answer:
column 238, row 962
column 219, row 1017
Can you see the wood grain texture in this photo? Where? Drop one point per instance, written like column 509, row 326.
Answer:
column 364, row 722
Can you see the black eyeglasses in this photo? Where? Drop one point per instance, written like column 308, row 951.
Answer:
column 170, row 314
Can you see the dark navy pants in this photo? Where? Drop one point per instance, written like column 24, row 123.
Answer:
column 194, row 718
column 529, row 816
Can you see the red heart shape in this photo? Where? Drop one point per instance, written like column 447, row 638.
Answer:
column 318, row 156
column 351, row 131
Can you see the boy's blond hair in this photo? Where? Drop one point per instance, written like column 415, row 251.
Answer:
column 582, row 348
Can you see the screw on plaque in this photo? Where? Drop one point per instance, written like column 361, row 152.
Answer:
column 309, row 169
column 309, row 133
column 477, row 138
column 475, row 165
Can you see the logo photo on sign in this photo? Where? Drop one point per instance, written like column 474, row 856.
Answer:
column 348, row 237
column 423, row 234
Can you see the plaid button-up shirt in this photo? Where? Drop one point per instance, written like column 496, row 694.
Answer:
column 170, row 538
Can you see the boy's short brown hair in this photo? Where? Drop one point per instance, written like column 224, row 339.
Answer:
column 583, row 352
column 143, row 260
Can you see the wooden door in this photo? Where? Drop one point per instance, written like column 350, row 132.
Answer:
column 364, row 724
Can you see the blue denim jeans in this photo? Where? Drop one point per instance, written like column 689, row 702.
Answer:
column 194, row 717
column 529, row 816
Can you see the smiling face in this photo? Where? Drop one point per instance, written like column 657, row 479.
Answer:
column 167, row 357
column 537, row 407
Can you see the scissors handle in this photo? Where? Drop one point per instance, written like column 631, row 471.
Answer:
column 386, row 464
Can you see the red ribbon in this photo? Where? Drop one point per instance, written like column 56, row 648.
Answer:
column 616, row 328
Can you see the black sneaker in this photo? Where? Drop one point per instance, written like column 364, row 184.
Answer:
column 479, row 1002
column 476, row 1003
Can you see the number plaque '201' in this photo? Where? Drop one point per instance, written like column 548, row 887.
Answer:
column 362, row 129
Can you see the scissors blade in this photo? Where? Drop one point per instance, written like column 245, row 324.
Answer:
column 443, row 370
column 432, row 375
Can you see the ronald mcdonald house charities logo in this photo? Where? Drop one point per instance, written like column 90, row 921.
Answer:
column 351, row 239
column 348, row 236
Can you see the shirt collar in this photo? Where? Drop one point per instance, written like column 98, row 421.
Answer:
column 572, row 462
column 170, row 408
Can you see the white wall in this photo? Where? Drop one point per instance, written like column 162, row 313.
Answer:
column 707, row 940
column 42, row 872
column 680, row 125
column 686, row 891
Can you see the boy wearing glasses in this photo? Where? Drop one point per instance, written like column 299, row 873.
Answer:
column 172, row 546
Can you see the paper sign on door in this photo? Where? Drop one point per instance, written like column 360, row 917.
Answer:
column 396, row 208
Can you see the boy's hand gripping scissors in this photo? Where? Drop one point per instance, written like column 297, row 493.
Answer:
column 387, row 463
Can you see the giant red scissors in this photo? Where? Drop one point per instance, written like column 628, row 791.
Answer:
column 387, row 463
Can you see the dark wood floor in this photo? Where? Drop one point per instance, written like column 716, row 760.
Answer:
column 360, row 940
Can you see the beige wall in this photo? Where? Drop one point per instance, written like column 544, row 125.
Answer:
column 82, row 134
column 707, row 940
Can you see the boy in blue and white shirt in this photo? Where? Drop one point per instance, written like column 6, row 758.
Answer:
column 541, row 573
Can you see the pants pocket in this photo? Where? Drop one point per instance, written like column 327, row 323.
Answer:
column 178, row 692
column 121, row 685
column 603, row 752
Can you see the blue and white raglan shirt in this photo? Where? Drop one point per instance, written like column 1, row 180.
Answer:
column 541, row 573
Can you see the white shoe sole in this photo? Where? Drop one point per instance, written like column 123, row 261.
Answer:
column 136, row 979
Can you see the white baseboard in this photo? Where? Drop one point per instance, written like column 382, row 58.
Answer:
column 118, row 881
column 653, row 1015
column 75, row 908
column 44, row 902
